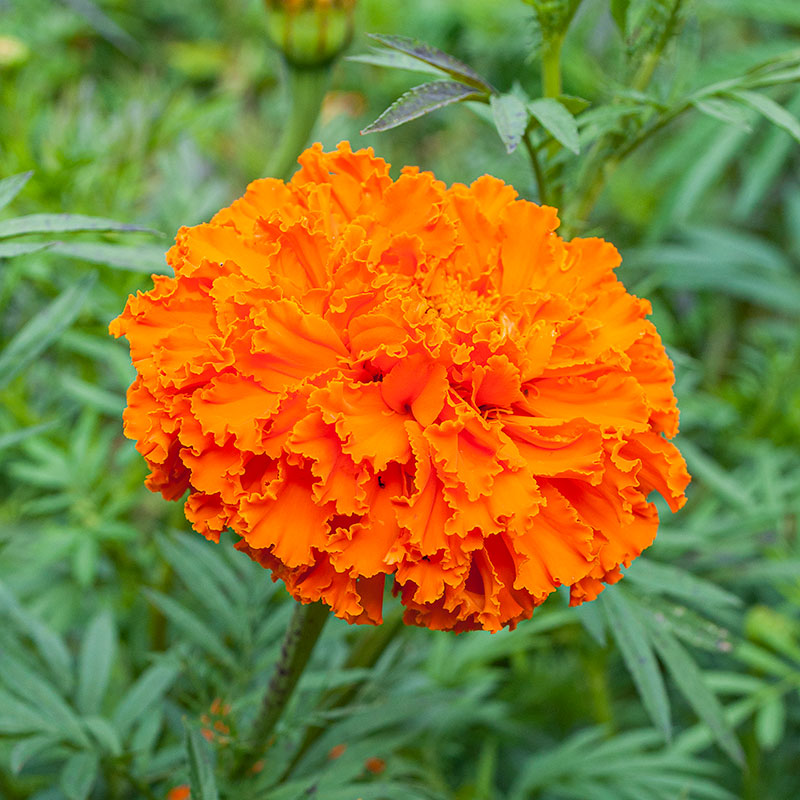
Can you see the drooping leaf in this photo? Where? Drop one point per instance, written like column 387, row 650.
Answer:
column 419, row 101
column 78, row 775
column 62, row 223
column 689, row 679
column 94, row 664
column 27, row 749
column 634, row 644
column 510, row 119
column 768, row 108
column 436, row 58
column 201, row 772
column 725, row 110
column 10, row 187
column 557, row 121
column 40, row 332
column 394, row 59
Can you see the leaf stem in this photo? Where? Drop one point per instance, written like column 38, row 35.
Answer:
column 304, row 629
column 306, row 87
column 541, row 181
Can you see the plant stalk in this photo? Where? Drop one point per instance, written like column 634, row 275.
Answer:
column 306, row 87
column 304, row 629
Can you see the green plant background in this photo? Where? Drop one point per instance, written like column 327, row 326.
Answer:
column 120, row 628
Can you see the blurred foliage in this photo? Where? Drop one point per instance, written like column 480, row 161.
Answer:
column 133, row 655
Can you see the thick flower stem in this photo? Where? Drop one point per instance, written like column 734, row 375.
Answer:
column 301, row 636
column 551, row 66
column 306, row 87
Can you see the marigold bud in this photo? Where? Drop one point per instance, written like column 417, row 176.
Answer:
column 310, row 33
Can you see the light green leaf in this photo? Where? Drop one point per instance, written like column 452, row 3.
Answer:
column 78, row 775
column 148, row 690
column 775, row 113
column 201, row 772
column 725, row 110
column 40, row 332
column 689, row 679
column 94, row 663
column 15, row 437
column 556, row 120
column 104, row 734
column 771, row 722
column 637, row 653
column 62, row 223
column 10, row 187
column 676, row 582
column 27, row 749
column 510, row 119
column 394, row 60
column 146, row 259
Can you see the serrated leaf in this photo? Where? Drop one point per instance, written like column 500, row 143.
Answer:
column 688, row 678
column 510, row 119
column 419, row 101
column 436, row 58
column 768, row 108
column 27, row 749
column 140, row 698
column 725, row 110
column 557, row 121
column 637, row 653
column 78, row 775
column 10, row 187
column 201, row 773
column 192, row 626
column 40, row 332
column 63, row 223
column 393, row 59
column 94, row 663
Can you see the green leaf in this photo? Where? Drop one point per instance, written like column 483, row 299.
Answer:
column 78, row 775
column 148, row 690
column 12, row 249
column 394, row 60
column 27, row 749
column 436, row 58
column 770, row 722
column 104, row 734
column 689, row 679
column 419, row 101
column 637, row 653
column 12, row 186
column 63, row 223
column 725, row 110
column 619, row 13
column 94, row 663
column 192, row 626
column 510, row 119
column 146, row 259
column 201, row 772
column 768, row 108
column 15, row 437
column 38, row 334
column 18, row 718
column 557, row 121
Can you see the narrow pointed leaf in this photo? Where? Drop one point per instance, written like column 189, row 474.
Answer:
column 637, row 653
column 675, row 582
column 725, row 110
column 201, row 772
column 142, row 258
column 419, row 101
column 148, row 690
column 94, row 666
column 768, row 108
column 394, row 59
column 27, row 749
column 435, row 58
column 510, row 119
column 38, row 334
column 78, row 775
column 557, row 121
column 62, row 223
column 12, row 249
column 12, row 186
column 689, row 679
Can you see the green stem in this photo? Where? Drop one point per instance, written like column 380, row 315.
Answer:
column 365, row 654
column 551, row 66
column 306, row 88
column 541, row 181
column 304, row 629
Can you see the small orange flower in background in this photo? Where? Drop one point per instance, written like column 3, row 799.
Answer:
column 367, row 378
column 181, row 792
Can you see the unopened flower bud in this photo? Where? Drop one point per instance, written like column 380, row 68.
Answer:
column 310, row 33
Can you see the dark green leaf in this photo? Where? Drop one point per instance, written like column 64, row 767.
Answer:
column 619, row 13
column 148, row 690
column 775, row 113
column 201, row 772
column 637, row 653
column 94, row 663
column 12, row 186
column 38, row 334
column 689, row 679
column 436, row 58
column 62, row 223
column 510, row 119
column 557, row 121
column 78, row 775
column 419, row 101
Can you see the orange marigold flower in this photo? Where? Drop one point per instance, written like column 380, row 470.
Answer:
column 365, row 377
column 181, row 792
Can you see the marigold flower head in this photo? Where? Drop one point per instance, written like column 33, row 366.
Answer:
column 365, row 377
